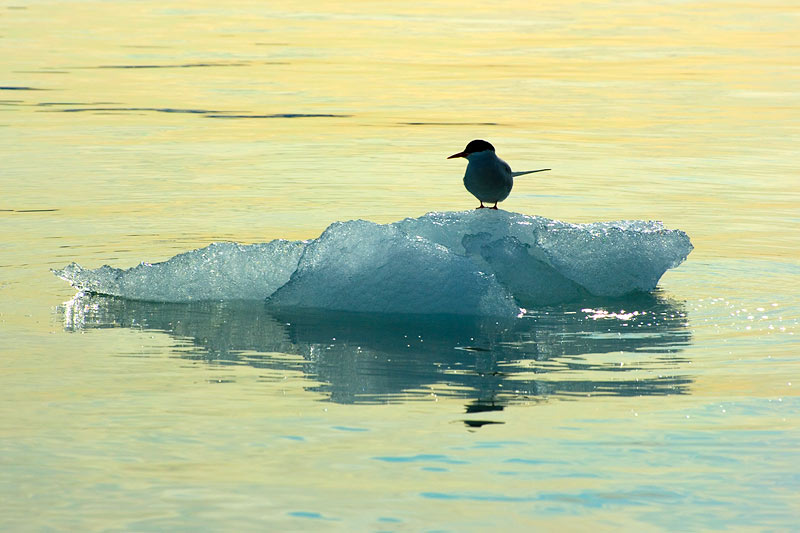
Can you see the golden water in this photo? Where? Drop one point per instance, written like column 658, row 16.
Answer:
column 133, row 131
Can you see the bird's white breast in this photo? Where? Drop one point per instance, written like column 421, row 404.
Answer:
column 488, row 177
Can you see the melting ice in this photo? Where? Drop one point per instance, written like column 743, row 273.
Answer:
column 479, row 262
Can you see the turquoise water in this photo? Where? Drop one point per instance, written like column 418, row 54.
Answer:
column 136, row 131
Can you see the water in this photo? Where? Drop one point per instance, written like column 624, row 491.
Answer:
column 136, row 131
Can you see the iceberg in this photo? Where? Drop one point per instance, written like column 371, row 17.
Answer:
column 478, row 262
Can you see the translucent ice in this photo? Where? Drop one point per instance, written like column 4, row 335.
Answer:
column 362, row 266
column 542, row 259
column 221, row 271
column 473, row 262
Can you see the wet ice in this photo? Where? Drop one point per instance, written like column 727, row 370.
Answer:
column 480, row 262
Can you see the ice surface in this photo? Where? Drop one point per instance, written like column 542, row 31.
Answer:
column 362, row 266
column 221, row 271
column 483, row 262
column 533, row 255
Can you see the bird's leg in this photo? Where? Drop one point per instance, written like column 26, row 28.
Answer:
column 481, row 206
column 494, row 206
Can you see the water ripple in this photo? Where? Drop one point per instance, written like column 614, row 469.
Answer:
column 284, row 115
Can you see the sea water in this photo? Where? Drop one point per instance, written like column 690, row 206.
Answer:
column 136, row 132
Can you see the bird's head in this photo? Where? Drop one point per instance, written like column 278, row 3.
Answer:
column 474, row 147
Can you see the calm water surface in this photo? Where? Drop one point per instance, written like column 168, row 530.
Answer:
column 133, row 131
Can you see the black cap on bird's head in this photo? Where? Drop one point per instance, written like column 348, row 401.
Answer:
column 475, row 146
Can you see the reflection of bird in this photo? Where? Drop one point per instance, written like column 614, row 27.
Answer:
column 488, row 177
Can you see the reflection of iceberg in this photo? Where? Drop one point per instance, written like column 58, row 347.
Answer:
column 357, row 357
column 475, row 262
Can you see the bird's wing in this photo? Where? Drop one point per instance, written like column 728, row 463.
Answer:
column 515, row 174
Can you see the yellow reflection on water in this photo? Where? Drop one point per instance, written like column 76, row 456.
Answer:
column 636, row 106
column 152, row 129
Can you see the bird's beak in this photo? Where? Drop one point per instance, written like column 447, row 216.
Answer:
column 459, row 154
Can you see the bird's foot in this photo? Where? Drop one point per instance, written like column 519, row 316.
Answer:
column 494, row 206
column 481, row 206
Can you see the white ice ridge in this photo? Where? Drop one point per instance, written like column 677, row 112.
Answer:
column 469, row 262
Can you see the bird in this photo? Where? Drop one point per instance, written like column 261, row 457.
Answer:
column 488, row 178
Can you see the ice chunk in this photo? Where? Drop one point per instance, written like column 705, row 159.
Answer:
column 614, row 258
column 367, row 267
column 471, row 262
column 543, row 261
column 532, row 280
column 221, row 271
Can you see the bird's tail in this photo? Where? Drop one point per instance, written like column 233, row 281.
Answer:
column 515, row 174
